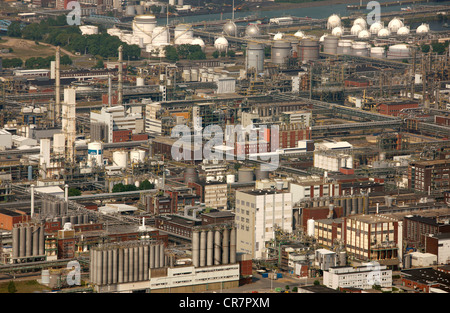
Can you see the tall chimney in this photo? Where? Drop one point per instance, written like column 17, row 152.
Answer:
column 120, row 91
column 109, row 90
column 57, row 86
column 66, row 193
column 32, row 200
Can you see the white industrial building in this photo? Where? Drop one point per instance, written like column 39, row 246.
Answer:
column 310, row 187
column 419, row 259
column 5, row 139
column 332, row 160
column 325, row 259
column 153, row 122
column 258, row 214
column 226, row 85
column 363, row 277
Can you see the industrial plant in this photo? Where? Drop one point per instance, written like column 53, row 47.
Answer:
column 142, row 151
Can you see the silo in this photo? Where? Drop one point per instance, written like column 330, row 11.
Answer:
column 330, row 44
column 98, row 267
column 95, row 153
column 226, row 246
column 41, row 240
column 354, row 204
column 152, row 256
column 309, row 50
column 15, row 241
column 140, row 249
column 125, row 265
column 135, row 263
column 245, row 175
column 360, row 204
column 183, row 34
column 143, row 26
column 310, row 227
column 255, row 57
column 349, row 206
column 194, row 75
column 217, row 247
column 210, row 248
column 104, row 267
column 195, row 248
column 120, row 266
column 65, row 219
column 162, row 262
column 73, row 220
column 110, row 266
column 130, row 264
column 233, row 245
column 157, row 257
column 22, row 241
column 115, row 262
column 35, row 240
column 377, row 52
column 85, row 218
column 202, row 248
column 281, row 51
column 120, row 158
column 146, row 261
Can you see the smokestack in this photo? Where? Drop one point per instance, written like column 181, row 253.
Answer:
column 57, row 86
column 32, row 200
column 120, row 93
column 109, row 90
column 66, row 193
column 378, row 206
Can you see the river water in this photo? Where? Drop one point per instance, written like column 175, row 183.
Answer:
column 313, row 12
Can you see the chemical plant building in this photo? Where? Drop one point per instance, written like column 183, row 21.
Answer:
column 351, row 117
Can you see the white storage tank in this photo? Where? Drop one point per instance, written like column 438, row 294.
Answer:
column 221, row 44
column 299, row 34
column 194, row 75
column 137, row 156
column 143, row 26
column 356, row 29
column 231, row 179
column 399, row 51
column 252, row 30
column 183, row 34
column 230, row 28
column 200, row 42
column 140, row 81
column 364, row 34
column 359, row 48
column 95, row 153
column 423, row 29
column 278, row 36
column 384, row 32
column 160, row 36
column 310, row 231
column 120, row 158
column 344, row 46
column 333, row 21
column 361, row 22
column 377, row 52
column 59, row 143
column 403, row 31
column 337, row 31
column 375, row 28
column 395, row 24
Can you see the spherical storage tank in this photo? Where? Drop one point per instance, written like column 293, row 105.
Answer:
column 143, row 26
column 395, row 24
column 309, row 50
column 120, row 158
column 278, row 36
column 198, row 41
column 333, row 21
column 255, row 56
column 361, row 22
column 384, row 32
column 403, row 31
column 356, row 29
column 252, row 30
column 221, row 44
column 230, row 28
column 299, row 34
column 423, row 29
column 337, row 31
column 95, row 153
column 375, row 27
column 281, row 50
column 364, row 34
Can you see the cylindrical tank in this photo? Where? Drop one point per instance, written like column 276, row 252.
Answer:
column 95, row 153
column 233, row 245
column 281, row 50
column 137, row 156
column 245, row 175
column 15, row 242
column 194, row 75
column 360, row 48
column 140, row 81
column 146, row 261
column 231, row 178
column 41, row 240
column 160, row 36
column 120, row 158
column 399, row 51
column 344, row 46
column 225, row 246
column 143, row 26
column 377, row 52
column 217, row 247
column 309, row 50
column 255, row 57
column 330, row 44
column 183, row 34
column 210, row 248
column 35, row 236
column 202, row 255
column 195, row 248
column 130, row 10
column 22, row 241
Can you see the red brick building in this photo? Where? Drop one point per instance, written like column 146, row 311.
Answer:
column 8, row 218
column 394, row 108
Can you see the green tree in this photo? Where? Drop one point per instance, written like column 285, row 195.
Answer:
column 171, row 53
column 66, row 60
column 215, row 54
column 12, row 287
column 316, row 282
column 32, row 32
column 74, row 192
column 438, row 47
column 14, row 30
column 425, row 48
column 12, row 63
column 231, row 53
column 146, row 185
column 99, row 64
